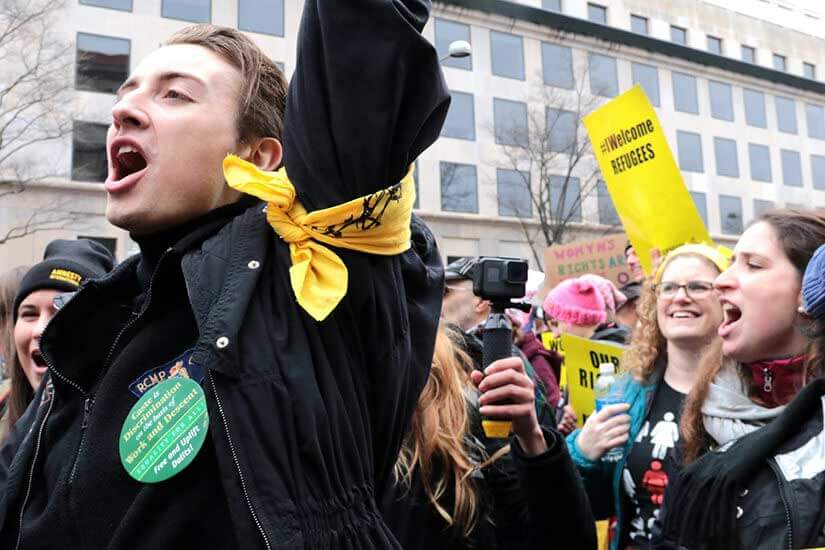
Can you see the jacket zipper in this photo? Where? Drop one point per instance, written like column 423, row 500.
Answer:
column 237, row 464
column 88, row 404
column 31, row 474
column 784, row 502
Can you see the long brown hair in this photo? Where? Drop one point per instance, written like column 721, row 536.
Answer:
column 800, row 233
column 434, row 448
column 21, row 391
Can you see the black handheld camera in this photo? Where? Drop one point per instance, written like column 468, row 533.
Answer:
column 499, row 280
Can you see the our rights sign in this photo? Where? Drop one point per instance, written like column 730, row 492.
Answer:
column 582, row 358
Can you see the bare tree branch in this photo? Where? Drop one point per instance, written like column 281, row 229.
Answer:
column 553, row 152
column 35, row 95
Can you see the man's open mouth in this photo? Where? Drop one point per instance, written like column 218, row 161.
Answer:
column 127, row 160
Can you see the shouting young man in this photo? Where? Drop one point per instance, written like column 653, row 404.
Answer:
column 246, row 380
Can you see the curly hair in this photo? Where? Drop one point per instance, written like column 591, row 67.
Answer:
column 648, row 342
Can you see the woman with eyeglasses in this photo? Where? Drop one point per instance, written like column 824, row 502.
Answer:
column 748, row 479
column 679, row 314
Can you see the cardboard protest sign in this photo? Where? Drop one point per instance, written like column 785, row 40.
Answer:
column 553, row 343
column 603, row 257
column 642, row 177
column 582, row 358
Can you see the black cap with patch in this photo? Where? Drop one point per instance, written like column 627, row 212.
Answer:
column 460, row 269
column 66, row 264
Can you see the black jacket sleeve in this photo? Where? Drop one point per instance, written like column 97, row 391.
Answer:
column 539, row 502
column 366, row 98
column 558, row 510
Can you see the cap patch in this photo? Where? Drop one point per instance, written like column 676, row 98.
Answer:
column 66, row 276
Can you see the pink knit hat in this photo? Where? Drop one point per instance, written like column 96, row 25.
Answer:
column 613, row 298
column 576, row 302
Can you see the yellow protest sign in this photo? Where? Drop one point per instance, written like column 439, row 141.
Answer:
column 553, row 343
column 582, row 358
column 642, row 177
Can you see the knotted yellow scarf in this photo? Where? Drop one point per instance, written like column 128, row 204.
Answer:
column 376, row 224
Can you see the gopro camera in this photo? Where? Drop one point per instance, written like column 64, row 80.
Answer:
column 500, row 279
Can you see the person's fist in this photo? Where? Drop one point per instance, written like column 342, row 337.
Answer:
column 568, row 420
column 604, row 430
column 507, row 393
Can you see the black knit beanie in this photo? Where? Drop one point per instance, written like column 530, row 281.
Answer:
column 66, row 264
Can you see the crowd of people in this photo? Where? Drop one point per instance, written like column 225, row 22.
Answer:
column 335, row 369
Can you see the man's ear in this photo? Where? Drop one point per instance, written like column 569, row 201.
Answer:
column 265, row 153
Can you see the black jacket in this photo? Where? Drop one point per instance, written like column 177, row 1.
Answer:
column 525, row 503
column 764, row 491
column 306, row 418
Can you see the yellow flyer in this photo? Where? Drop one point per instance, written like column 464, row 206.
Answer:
column 582, row 358
column 642, row 177
column 553, row 343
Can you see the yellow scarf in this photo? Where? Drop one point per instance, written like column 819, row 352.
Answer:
column 376, row 224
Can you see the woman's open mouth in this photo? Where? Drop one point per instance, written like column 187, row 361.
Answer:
column 732, row 316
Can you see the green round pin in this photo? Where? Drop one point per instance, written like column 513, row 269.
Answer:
column 164, row 430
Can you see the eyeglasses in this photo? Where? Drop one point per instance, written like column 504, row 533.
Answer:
column 694, row 289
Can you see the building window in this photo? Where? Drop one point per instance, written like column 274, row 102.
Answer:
column 568, row 189
column 678, row 35
column 815, row 115
column 647, row 76
column 760, row 207
column 638, row 24
column 552, row 5
column 715, row 45
column 755, row 108
column 809, row 70
column 196, row 11
column 558, row 65
column 607, row 210
column 730, row 214
column 701, row 203
column 791, row 168
column 562, row 127
column 689, row 146
column 261, row 16
column 818, row 171
column 89, row 152
column 760, row 160
column 604, row 80
column 748, row 54
column 459, row 187
column 786, row 115
column 507, row 54
column 447, row 32
column 721, row 100
column 510, row 121
column 779, row 62
column 727, row 161
column 102, row 63
column 108, row 242
column 460, row 123
column 124, row 5
column 514, row 197
column 597, row 13
column 685, row 97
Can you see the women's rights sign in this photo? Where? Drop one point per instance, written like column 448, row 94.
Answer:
column 164, row 431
